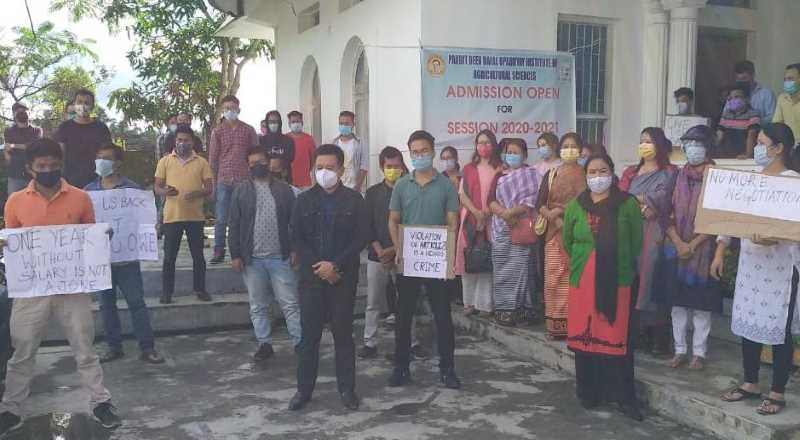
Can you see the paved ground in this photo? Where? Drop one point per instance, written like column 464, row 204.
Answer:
column 209, row 389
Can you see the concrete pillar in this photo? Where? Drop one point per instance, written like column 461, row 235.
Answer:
column 682, row 45
column 654, row 91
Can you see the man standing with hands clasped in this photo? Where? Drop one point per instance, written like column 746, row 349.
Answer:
column 428, row 198
column 329, row 231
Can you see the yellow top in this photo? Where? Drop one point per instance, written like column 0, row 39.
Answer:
column 186, row 176
column 788, row 112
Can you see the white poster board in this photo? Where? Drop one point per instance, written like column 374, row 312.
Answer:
column 426, row 252
column 132, row 216
column 57, row 260
column 676, row 126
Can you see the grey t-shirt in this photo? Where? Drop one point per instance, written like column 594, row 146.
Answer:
column 266, row 238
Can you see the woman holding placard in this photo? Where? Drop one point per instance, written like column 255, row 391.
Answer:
column 692, row 292
column 512, row 202
column 766, row 286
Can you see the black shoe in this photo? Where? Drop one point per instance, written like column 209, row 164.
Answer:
column 217, row 259
column 264, row 352
column 106, row 414
column 419, row 352
column 151, row 357
column 165, row 299
column 9, row 422
column 349, row 400
column 111, row 356
column 204, row 296
column 298, row 401
column 449, row 379
column 632, row 410
column 400, row 377
column 367, row 352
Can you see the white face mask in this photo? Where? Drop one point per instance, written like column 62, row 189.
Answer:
column 296, row 127
column 231, row 115
column 273, row 127
column 683, row 108
column 599, row 184
column 326, row 178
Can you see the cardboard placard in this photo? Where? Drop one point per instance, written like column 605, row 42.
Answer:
column 427, row 252
column 741, row 204
column 676, row 126
column 132, row 215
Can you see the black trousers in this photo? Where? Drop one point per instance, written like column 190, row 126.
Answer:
column 604, row 378
column 408, row 288
column 321, row 302
column 173, row 232
column 782, row 355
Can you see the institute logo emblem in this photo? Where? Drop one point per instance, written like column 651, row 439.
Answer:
column 436, row 65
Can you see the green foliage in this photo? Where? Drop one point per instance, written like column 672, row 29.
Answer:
column 27, row 64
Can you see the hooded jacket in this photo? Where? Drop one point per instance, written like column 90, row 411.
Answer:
column 279, row 145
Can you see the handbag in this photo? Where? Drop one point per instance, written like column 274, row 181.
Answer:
column 523, row 232
column 541, row 221
column 478, row 253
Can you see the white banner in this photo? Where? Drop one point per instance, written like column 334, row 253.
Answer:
column 675, row 126
column 513, row 93
column 57, row 260
column 132, row 215
column 751, row 193
column 425, row 252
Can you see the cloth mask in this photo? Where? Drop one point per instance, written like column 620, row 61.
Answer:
column 736, row 104
column 599, row 184
column 183, row 150
column 485, row 151
column 392, row 174
column 48, row 179
column 647, row 150
column 326, row 178
column 104, row 167
column 570, row 154
column 259, row 170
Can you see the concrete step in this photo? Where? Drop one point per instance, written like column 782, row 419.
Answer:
column 687, row 396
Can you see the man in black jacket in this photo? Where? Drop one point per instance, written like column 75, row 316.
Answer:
column 328, row 231
column 258, row 238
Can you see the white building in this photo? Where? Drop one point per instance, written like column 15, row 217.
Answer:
column 364, row 55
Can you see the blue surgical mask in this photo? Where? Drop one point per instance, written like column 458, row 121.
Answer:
column 231, row 115
column 761, row 156
column 582, row 161
column 695, row 152
column 345, row 130
column 422, row 163
column 545, row 152
column 104, row 167
column 790, row 87
column 513, row 160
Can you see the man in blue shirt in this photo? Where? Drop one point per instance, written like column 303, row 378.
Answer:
column 762, row 99
column 125, row 276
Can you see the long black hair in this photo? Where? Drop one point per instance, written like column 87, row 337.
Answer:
column 780, row 133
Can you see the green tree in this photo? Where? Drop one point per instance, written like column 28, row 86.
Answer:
column 28, row 63
column 180, row 63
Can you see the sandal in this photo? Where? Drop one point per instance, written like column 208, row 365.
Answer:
column 770, row 407
column 698, row 363
column 743, row 395
column 677, row 361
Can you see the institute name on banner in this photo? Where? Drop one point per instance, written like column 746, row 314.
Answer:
column 513, row 93
column 57, row 260
column 132, row 216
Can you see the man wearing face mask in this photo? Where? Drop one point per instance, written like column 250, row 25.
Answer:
column 227, row 154
column 762, row 99
column 125, row 276
column 261, row 209
column 684, row 101
column 304, row 147
column 184, row 178
column 17, row 137
column 356, row 152
column 277, row 144
column 739, row 125
column 49, row 200
column 788, row 109
column 329, row 231
column 80, row 138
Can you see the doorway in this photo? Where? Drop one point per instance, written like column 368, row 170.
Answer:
column 718, row 50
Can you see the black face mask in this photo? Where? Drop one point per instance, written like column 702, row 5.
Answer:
column 48, row 179
column 259, row 171
column 277, row 175
column 21, row 117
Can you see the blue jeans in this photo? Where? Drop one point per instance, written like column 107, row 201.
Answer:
column 267, row 278
column 128, row 279
column 222, row 195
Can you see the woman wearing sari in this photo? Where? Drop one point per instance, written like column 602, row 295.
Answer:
column 568, row 180
column 694, row 294
column 652, row 182
column 474, row 194
column 602, row 236
column 513, row 197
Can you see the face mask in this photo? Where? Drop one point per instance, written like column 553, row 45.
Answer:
column 449, row 164
column 48, row 179
column 326, row 178
column 599, row 184
column 695, row 152
column 761, row 156
column 790, row 87
column 231, row 115
column 173, row 127
column 392, row 174
column 104, row 167
column 513, row 160
column 72, row 115
column 736, row 104
column 570, row 154
column 183, row 150
column 259, row 170
column 582, row 161
column 683, row 108
column 647, row 150
column 21, row 118
column 545, row 152
column 273, row 127
column 296, row 127
column 485, row 151
column 81, row 110
column 422, row 163
column 345, row 130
